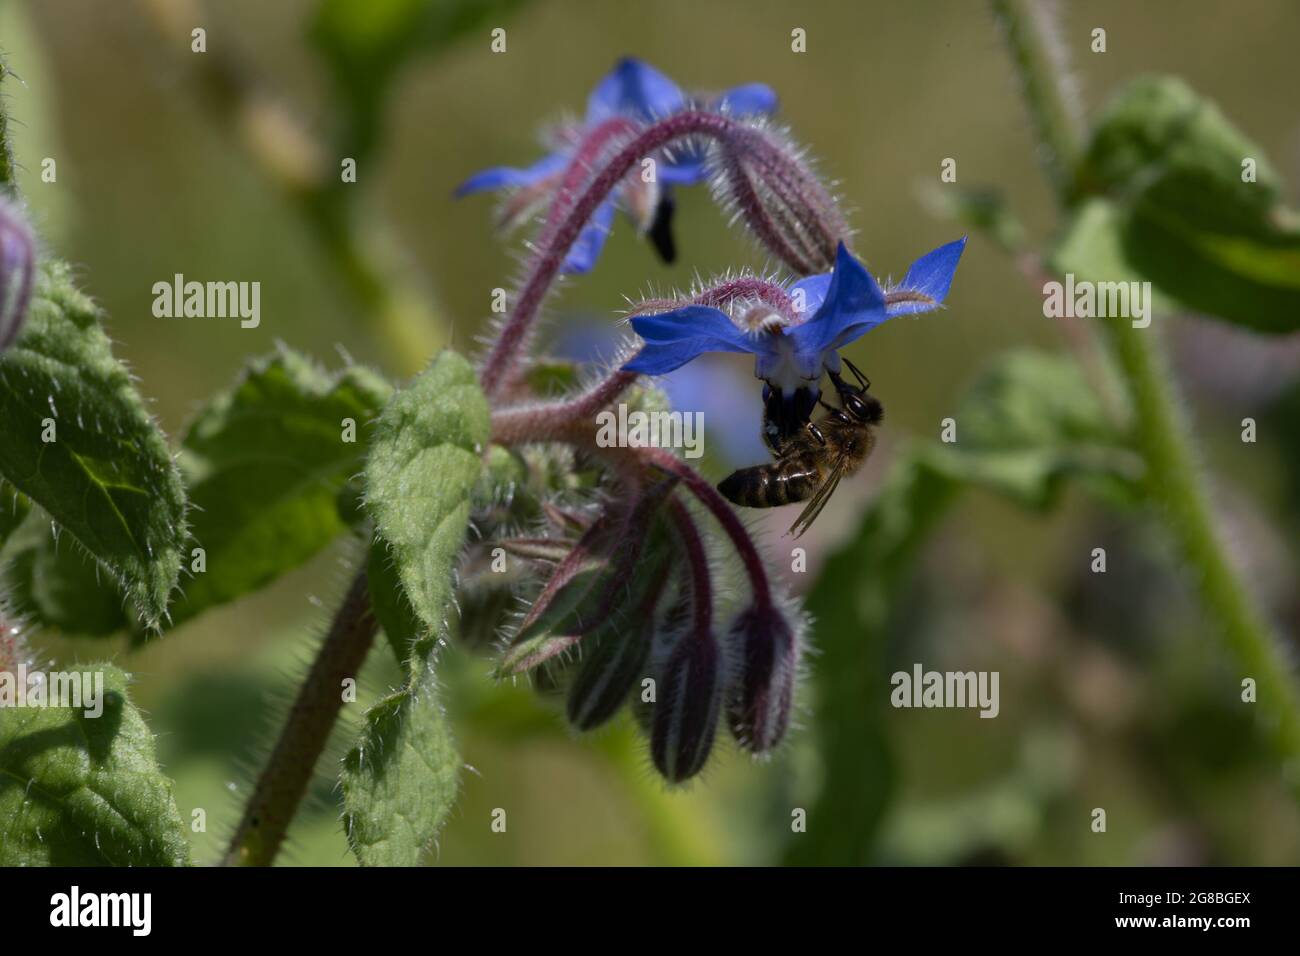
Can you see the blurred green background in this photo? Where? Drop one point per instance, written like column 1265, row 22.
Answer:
column 1112, row 691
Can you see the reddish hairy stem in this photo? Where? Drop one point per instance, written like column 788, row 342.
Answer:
column 749, row 287
column 580, row 166
column 693, row 544
column 499, row 365
column 512, row 427
column 557, row 421
column 722, row 511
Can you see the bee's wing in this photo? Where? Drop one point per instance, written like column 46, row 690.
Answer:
column 818, row 501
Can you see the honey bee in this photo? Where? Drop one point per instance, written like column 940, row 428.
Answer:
column 811, row 461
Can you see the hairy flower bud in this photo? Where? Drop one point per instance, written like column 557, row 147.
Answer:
column 17, row 263
column 761, row 695
column 767, row 182
column 687, row 708
column 607, row 676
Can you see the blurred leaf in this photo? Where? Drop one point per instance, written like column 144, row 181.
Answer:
column 400, row 780
column 423, row 465
column 267, row 463
column 54, row 583
column 981, row 209
column 108, row 477
column 1174, row 210
column 85, row 791
column 366, row 43
column 550, row 377
column 852, row 604
column 1029, row 423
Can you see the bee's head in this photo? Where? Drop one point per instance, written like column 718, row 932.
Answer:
column 859, row 405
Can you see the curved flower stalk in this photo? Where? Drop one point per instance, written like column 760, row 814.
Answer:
column 632, row 95
column 627, row 608
column 594, row 173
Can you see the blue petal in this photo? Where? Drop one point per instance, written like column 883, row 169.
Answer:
column 751, row 99
column 586, row 250
column 674, row 338
column 636, row 89
column 688, row 171
column 854, row 304
column 501, row 177
column 931, row 275
column 814, row 293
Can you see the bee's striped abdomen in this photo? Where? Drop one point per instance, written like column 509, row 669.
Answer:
column 769, row 486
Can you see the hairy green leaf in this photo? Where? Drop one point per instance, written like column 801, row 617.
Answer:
column 982, row 209
column 391, row 607
column 400, row 780
column 14, row 508
column 424, row 462
column 76, row 438
column 78, row 790
column 54, row 583
column 266, row 462
column 1029, row 423
column 1177, row 195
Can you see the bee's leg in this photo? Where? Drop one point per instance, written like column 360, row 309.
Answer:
column 836, row 413
column 817, row 435
column 862, row 379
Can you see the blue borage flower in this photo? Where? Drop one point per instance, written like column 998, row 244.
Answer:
column 840, row 306
column 637, row 91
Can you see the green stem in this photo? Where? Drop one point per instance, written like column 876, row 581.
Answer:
column 387, row 297
column 1027, row 26
column 293, row 760
column 1173, row 481
column 1175, row 484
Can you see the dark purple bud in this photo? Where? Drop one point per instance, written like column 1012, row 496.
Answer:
column 767, row 182
column 766, row 650
column 688, row 701
column 17, row 264
column 621, row 646
column 615, row 665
